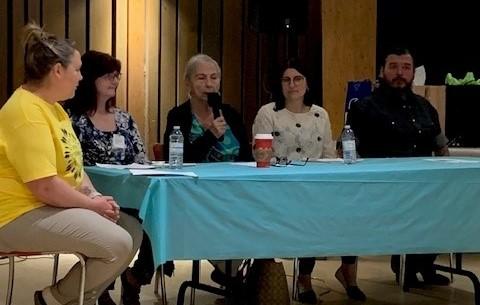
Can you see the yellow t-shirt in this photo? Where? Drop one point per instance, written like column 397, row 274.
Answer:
column 36, row 141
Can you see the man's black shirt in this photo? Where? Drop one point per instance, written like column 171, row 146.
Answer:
column 395, row 123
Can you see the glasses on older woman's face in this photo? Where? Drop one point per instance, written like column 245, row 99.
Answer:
column 113, row 76
column 297, row 80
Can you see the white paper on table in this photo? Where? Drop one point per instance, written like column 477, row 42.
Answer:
column 327, row 160
column 158, row 172
column 330, row 160
column 125, row 166
column 448, row 160
column 165, row 164
column 249, row 164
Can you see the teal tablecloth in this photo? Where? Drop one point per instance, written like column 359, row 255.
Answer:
column 377, row 206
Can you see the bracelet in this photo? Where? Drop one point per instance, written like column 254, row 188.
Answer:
column 94, row 194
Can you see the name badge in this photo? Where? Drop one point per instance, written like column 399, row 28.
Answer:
column 118, row 141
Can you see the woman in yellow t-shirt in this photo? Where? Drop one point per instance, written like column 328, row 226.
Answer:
column 47, row 202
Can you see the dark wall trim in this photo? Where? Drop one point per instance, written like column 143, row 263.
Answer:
column 114, row 28
column 258, row 76
column 242, row 62
column 177, row 41
column 87, row 25
column 41, row 12
column 200, row 27
column 9, row 47
column 67, row 19
column 25, row 11
column 220, row 32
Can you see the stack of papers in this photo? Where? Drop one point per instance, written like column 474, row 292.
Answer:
column 158, row 172
column 126, row 166
column 165, row 164
column 451, row 160
column 137, row 169
column 153, row 164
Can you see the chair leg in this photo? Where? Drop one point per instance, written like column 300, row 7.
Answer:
column 82, row 278
column 11, row 273
column 157, row 278
column 294, row 281
column 450, row 260
column 11, row 276
column 160, row 279
column 196, row 276
column 56, row 258
column 401, row 271
column 162, row 285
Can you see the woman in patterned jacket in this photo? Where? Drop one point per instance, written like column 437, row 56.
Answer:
column 110, row 135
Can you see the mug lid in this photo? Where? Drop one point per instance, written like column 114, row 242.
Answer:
column 264, row 136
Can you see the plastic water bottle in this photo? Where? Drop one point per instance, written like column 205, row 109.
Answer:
column 175, row 156
column 348, row 146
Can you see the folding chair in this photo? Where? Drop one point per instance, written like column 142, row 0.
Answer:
column 11, row 270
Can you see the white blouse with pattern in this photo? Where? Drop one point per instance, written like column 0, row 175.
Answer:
column 297, row 136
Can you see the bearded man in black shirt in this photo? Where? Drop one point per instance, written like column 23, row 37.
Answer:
column 395, row 122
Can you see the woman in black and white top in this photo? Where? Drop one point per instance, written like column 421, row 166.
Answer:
column 302, row 130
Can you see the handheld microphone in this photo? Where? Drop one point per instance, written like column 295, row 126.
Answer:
column 215, row 101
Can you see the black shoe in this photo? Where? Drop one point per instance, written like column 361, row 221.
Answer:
column 355, row 293
column 168, row 268
column 395, row 263
column 436, row 279
column 307, row 297
column 412, row 282
column 130, row 293
column 105, row 299
column 38, row 298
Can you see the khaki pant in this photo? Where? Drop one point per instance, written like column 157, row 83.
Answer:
column 108, row 247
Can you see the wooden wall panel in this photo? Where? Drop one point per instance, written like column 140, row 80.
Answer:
column 313, row 49
column 101, row 25
column 232, row 53
column 34, row 11
column 349, row 43
column 251, row 86
column 121, row 50
column 136, row 63
column 18, row 23
column 211, row 29
column 168, row 62
column 54, row 17
column 187, row 41
column 152, row 65
column 77, row 27
column 3, row 53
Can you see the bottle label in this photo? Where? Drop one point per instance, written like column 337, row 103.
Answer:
column 176, row 146
column 348, row 145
